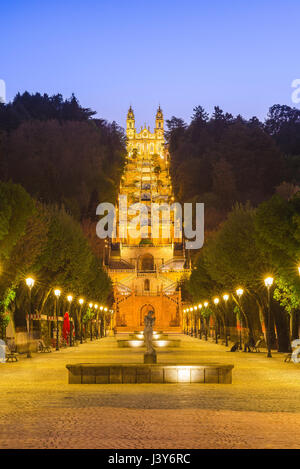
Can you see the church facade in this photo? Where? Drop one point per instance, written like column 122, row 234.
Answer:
column 146, row 269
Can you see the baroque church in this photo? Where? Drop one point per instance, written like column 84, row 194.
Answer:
column 146, row 270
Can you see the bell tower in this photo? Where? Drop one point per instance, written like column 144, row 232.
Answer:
column 130, row 121
column 159, row 120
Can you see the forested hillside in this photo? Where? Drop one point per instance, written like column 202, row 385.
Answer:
column 57, row 163
column 59, row 153
column 220, row 160
column 248, row 175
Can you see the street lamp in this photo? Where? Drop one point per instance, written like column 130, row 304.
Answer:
column 239, row 293
column 206, row 325
column 216, row 302
column 91, row 327
column 29, row 282
column 104, row 323
column 186, row 321
column 80, row 301
column 269, row 283
column 111, row 319
column 194, row 329
column 200, row 321
column 96, row 308
column 57, row 293
column 101, row 322
column 226, row 298
column 70, row 299
column 191, row 321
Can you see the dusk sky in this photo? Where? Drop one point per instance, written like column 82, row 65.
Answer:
column 242, row 56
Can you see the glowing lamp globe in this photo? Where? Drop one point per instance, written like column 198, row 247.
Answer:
column 269, row 281
column 29, row 282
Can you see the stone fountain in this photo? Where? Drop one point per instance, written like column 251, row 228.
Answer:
column 150, row 371
column 150, row 354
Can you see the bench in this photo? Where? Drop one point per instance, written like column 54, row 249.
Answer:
column 11, row 353
column 288, row 357
column 44, row 348
column 257, row 345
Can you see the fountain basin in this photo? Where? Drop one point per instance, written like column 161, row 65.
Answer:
column 161, row 343
column 94, row 373
column 156, row 336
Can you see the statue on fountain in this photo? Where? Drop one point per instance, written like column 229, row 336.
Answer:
column 150, row 355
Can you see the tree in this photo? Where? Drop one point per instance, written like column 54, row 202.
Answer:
column 224, row 186
column 16, row 206
column 283, row 123
column 222, row 160
column 278, row 231
column 76, row 164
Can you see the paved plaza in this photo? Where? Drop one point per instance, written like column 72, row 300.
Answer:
column 261, row 409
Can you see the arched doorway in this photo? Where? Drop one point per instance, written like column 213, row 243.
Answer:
column 144, row 311
column 146, row 262
column 147, row 284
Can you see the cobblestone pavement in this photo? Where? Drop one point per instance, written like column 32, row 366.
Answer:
column 261, row 409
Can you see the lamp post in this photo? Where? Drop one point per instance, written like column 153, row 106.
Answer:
column 216, row 302
column 187, row 321
column 195, row 321
column 200, row 321
column 105, row 311
column 239, row 293
column 96, row 308
column 225, row 298
column 111, row 319
column 205, row 306
column 269, row 283
column 29, row 282
column 80, row 301
column 91, row 326
column 101, row 322
column 57, row 293
column 70, row 299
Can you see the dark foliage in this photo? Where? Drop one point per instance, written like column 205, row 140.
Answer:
column 59, row 154
column 222, row 160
